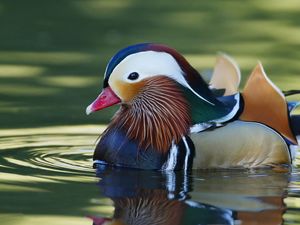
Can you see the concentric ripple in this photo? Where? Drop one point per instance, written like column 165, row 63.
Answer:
column 57, row 149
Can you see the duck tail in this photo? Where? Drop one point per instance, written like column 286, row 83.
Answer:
column 295, row 123
column 292, row 106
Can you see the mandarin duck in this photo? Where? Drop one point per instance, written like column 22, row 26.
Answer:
column 147, row 197
column 184, row 197
column 171, row 119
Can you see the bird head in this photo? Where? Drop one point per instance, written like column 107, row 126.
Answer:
column 127, row 72
column 158, row 89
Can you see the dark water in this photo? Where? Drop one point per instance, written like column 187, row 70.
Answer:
column 47, row 178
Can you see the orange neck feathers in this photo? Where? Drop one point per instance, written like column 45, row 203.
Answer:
column 156, row 116
column 150, row 207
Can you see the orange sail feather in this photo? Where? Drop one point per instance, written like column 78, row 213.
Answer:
column 265, row 103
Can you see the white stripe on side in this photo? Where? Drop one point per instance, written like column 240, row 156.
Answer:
column 170, row 183
column 171, row 162
column 187, row 155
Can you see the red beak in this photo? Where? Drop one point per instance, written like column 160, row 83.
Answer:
column 105, row 99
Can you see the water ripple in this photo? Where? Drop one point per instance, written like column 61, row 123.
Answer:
column 57, row 149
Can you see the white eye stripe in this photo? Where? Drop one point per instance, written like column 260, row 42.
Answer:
column 149, row 64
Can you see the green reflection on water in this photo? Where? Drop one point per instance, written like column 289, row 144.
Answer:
column 48, row 61
column 47, row 177
column 51, row 66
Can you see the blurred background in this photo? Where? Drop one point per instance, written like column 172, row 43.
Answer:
column 52, row 58
column 53, row 53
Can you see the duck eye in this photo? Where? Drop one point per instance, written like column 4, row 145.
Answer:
column 133, row 76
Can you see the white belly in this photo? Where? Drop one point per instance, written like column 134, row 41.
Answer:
column 239, row 144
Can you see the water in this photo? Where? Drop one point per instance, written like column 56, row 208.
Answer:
column 47, row 178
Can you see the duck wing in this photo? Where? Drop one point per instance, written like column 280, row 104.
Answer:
column 265, row 103
column 226, row 76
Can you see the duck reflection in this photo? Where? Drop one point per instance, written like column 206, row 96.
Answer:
column 171, row 198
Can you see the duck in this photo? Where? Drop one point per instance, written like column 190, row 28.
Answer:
column 172, row 197
column 170, row 118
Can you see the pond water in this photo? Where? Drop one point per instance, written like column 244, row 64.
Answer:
column 47, row 178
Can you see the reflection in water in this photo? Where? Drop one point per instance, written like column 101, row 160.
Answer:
column 46, row 177
column 59, row 149
column 220, row 197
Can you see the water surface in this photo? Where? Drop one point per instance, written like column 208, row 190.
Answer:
column 51, row 65
column 47, row 178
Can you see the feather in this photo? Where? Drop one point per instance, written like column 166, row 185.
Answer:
column 226, row 75
column 265, row 103
column 158, row 115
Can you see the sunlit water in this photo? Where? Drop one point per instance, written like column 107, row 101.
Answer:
column 47, row 178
